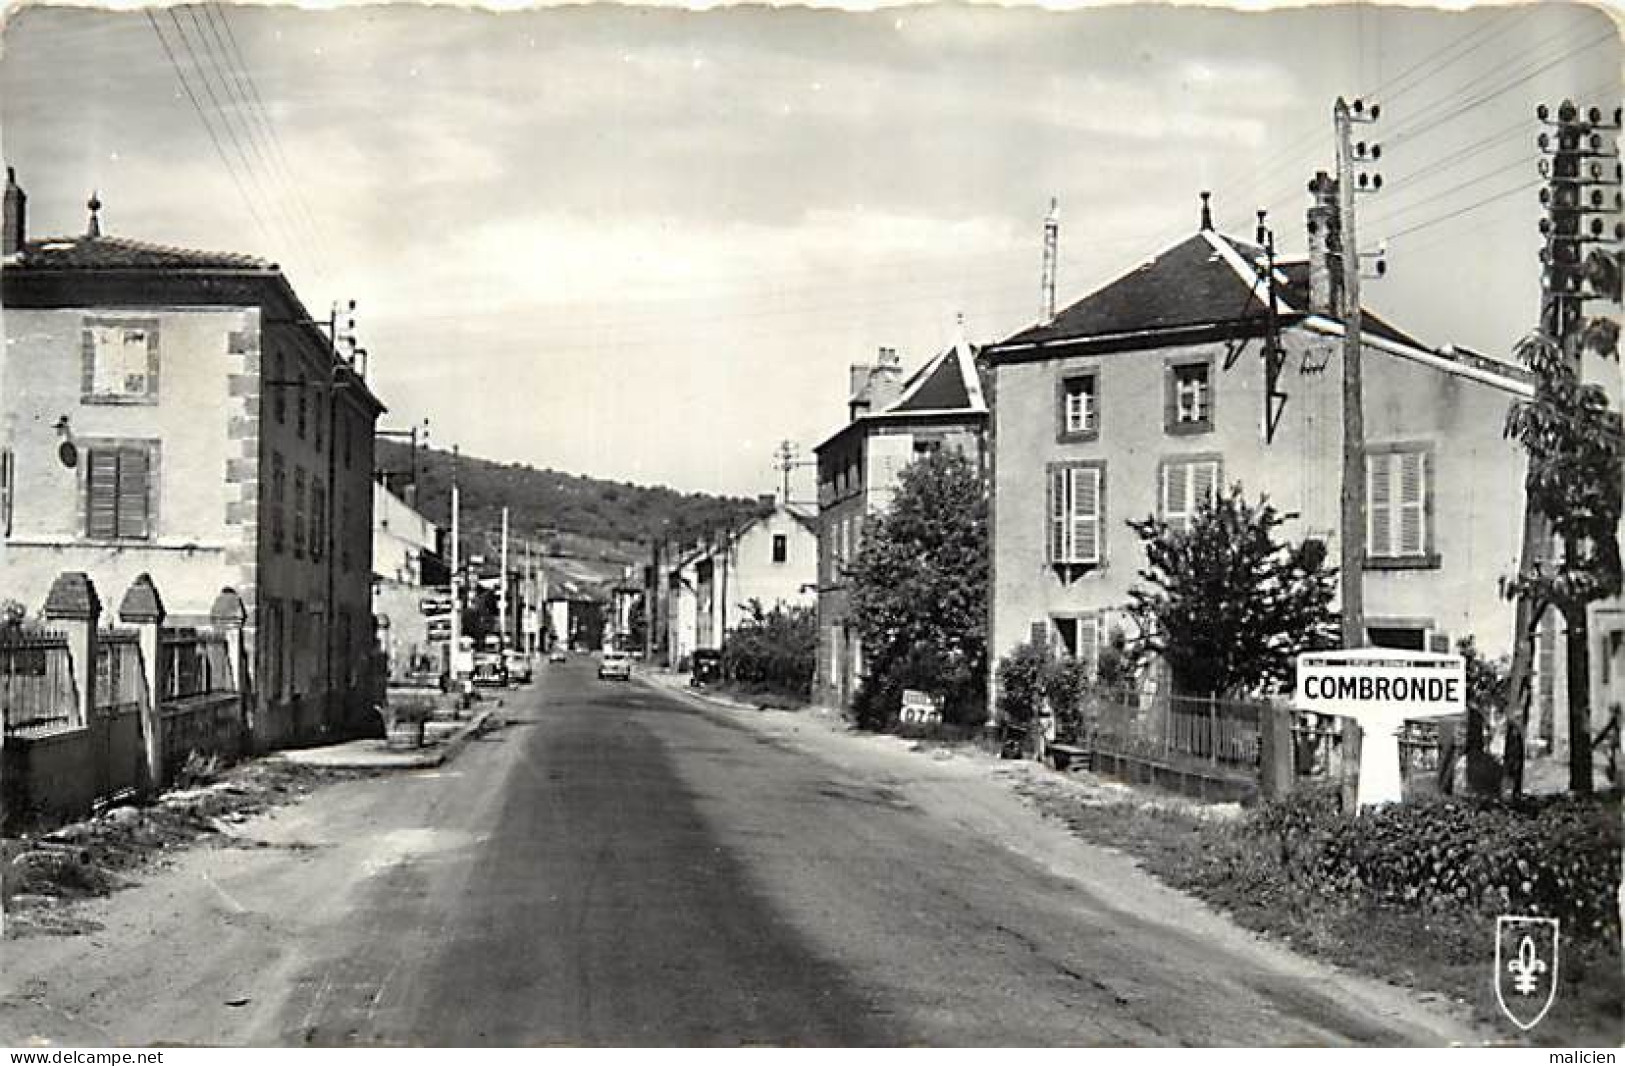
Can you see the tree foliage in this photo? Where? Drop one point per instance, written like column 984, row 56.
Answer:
column 918, row 590
column 773, row 650
column 1227, row 605
column 1573, row 443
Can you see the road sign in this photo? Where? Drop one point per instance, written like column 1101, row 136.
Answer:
column 1381, row 688
column 920, row 708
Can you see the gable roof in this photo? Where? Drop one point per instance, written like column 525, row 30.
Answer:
column 1191, row 284
column 122, row 253
column 1209, row 288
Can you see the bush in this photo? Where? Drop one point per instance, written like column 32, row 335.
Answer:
column 773, row 651
column 926, row 669
column 1558, row 857
column 1021, row 677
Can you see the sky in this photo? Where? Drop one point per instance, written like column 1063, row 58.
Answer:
column 646, row 243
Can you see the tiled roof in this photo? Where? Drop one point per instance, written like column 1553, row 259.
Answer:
column 1190, row 284
column 121, row 253
column 1296, row 294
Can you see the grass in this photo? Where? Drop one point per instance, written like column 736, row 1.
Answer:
column 1447, row 954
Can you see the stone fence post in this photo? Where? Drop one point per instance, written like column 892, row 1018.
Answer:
column 229, row 616
column 73, row 607
column 143, row 609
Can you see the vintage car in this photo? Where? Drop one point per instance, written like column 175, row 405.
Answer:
column 616, row 664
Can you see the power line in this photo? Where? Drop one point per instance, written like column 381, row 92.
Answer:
column 208, row 127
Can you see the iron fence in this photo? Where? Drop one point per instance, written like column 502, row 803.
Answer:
column 1171, row 729
column 37, row 689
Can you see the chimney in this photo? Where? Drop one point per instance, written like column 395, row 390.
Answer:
column 886, row 380
column 1207, row 211
column 1325, row 248
column 15, row 230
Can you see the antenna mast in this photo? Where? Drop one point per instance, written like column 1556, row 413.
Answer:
column 1052, row 235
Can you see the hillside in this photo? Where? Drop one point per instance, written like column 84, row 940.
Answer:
column 562, row 514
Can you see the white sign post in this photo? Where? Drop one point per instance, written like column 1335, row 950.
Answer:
column 1381, row 688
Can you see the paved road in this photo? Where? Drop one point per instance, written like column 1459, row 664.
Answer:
column 619, row 865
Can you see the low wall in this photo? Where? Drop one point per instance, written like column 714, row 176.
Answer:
column 57, row 777
column 1214, row 785
column 210, row 724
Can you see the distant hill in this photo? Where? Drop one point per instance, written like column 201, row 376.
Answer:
column 565, row 515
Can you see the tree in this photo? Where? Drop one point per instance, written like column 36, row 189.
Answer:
column 1573, row 485
column 1225, row 604
column 919, row 592
column 773, row 650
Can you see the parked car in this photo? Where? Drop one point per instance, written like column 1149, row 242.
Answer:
column 558, row 654
column 519, row 668
column 489, row 669
column 615, row 664
column 707, row 667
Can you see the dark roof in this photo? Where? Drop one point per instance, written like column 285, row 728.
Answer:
column 1190, row 284
column 121, row 253
column 806, row 520
column 943, row 390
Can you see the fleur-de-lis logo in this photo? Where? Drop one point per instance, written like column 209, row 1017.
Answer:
column 1525, row 967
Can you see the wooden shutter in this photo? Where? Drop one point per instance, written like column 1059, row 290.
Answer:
column 1379, row 505
column 1085, row 514
column 1089, row 641
column 132, row 493
column 1038, row 635
column 1412, row 503
column 101, row 505
column 1057, row 516
column 1204, row 483
column 1176, row 495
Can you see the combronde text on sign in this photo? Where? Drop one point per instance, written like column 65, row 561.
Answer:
column 1366, row 688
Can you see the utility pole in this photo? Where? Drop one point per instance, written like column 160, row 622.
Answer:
column 502, row 587
column 454, row 659
column 1351, row 537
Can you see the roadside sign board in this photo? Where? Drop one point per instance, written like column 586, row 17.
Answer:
column 1382, row 682
column 920, row 708
column 1381, row 688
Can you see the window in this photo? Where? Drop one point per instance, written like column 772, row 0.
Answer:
column 279, row 387
column 273, row 648
column 120, row 361
column 1076, row 509
column 1398, row 504
column 118, row 492
column 279, row 501
column 1078, row 407
column 924, row 446
column 8, row 478
column 1402, row 638
column 343, row 426
column 299, row 511
column 1187, row 482
column 1189, row 400
column 318, row 519
column 1079, row 637
column 320, row 417
column 301, row 421
column 781, row 547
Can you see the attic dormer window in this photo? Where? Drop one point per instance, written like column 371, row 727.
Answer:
column 120, row 363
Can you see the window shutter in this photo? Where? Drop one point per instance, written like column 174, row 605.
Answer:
column 132, row 493
column 1057, row 516
column 1086, row 515
column 1379, row 505
column 1412, row 502
column 1089, row 641
column 1204, row 483
column 1038, row 634
column 101, row 511
column 1176, row 495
